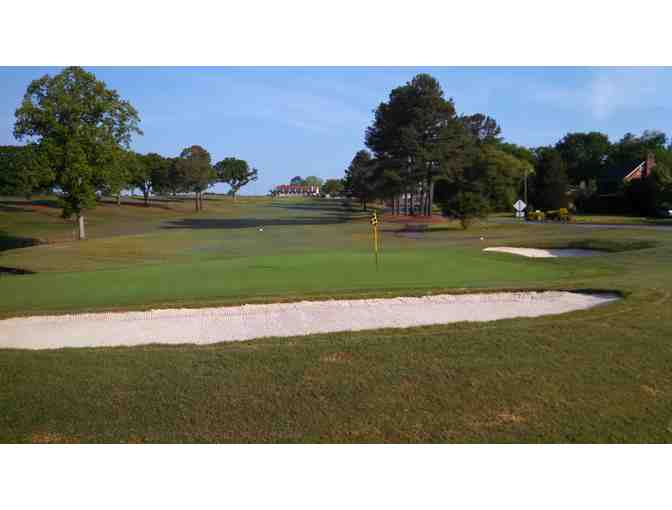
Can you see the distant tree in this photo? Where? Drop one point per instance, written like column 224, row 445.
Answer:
column 117, row 174
column 79, row 125
column 149, row 173
column 653, row 139
column 172, row 181
column 236, row 173
column 312, row 180
column 632, row 148
column 499, row 176
column 482, row 127
column 160, row 171
column 296, row 181
column 195, row 172
column 358, row 181
column 520, row 152
column 333, row 187
column 23, row 170
column 550, row 181
column 467, row 207
column 584, row 154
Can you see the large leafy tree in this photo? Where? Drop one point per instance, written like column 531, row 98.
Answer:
column 584, row 154
column 79, row 125
column 195, row 172
column 418, row 134
column 297, row 180
column 23, row 170
column 236, row 173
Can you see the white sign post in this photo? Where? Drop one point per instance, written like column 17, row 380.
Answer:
column 520, row 206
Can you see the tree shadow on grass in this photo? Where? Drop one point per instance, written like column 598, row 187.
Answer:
column 51, row 203
column 125, row 202
column 236, row 223
column 11, row 242
column 13, row 209
column 315, row 207
column 6, row 271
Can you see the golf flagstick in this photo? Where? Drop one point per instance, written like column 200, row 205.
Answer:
column 374, row 226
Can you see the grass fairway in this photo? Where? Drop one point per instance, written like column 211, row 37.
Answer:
column 600, row 375
column 304, row 249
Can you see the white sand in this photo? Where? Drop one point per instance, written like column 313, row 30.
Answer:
column 209, row 325
column 542, row 253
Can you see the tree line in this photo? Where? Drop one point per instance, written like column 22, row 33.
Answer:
column 588, row 157
column 78, row 135
column 420, row 153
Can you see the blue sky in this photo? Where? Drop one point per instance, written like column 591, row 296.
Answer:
column 311, row 121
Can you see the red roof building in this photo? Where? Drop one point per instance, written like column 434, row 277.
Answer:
column 612, row 179
column 296, row 190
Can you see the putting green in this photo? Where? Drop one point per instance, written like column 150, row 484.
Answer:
column 286, row 275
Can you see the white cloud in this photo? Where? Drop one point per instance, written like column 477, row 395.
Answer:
column 289, row 104
column 614, row 90
column 608, row 91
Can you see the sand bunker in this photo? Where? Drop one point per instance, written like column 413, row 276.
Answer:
column 210, row 325
column 545, row 253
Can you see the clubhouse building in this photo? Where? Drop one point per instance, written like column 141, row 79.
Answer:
column 293, row 190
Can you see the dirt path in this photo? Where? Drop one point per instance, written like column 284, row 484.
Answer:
column 209, row 325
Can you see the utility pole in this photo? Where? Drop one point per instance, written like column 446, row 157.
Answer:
column 525, row 199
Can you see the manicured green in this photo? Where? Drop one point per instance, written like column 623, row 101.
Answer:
column 268, row 276
column 599, row 375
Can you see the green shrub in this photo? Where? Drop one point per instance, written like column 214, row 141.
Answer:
column 467, row 206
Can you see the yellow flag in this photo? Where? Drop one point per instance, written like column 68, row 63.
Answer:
column 374, row 228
